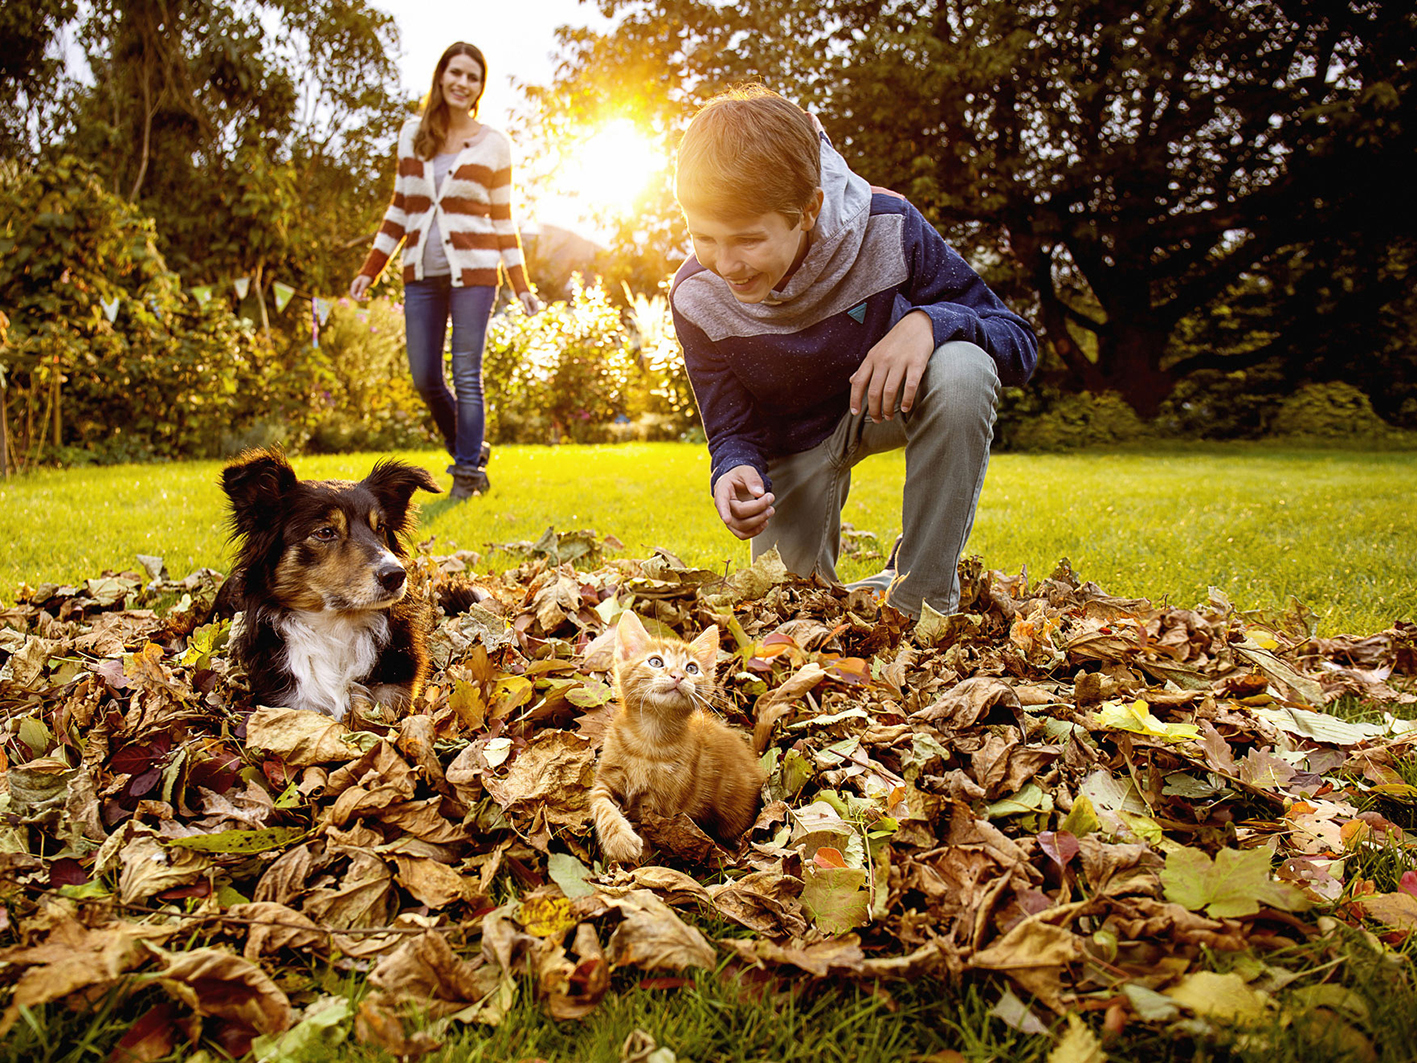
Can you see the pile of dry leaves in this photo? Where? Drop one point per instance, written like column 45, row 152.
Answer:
column 1080, row 792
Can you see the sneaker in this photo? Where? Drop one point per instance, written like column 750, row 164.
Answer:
column 881, row 581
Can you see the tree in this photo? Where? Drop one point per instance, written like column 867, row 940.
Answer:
column 1122, row 166
column 256, row 135
column 28, row 65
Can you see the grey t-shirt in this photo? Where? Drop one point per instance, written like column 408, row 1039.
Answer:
column 435, row 259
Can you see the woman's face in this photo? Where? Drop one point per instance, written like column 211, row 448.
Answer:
column 462, row 82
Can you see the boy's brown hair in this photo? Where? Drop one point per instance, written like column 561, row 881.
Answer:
column 748, row 152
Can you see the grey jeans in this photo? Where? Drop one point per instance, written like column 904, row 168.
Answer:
column 946, row 437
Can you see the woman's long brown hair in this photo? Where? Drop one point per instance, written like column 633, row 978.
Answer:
column 434, row 127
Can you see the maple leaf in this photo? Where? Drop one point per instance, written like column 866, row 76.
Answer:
column 1236, row 883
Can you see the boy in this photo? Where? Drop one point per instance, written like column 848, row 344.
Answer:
column 822, row 321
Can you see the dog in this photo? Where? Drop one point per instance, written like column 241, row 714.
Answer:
column 320, row 580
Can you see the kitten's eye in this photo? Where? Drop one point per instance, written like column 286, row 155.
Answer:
column 655, row 662
column 327, row 534
column 692, row 668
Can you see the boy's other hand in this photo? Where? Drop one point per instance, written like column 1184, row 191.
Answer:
column 890, row 375
column 359, row 287
column 742, row 502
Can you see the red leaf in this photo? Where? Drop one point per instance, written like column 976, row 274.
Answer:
column 150, row 1038
column 67, row 871
column 826, row 856
column 1061, row 846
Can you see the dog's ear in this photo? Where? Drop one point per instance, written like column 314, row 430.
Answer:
column 256, row 482
column 393, row 482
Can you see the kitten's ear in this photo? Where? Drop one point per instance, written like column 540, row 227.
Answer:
column 631, row 638
column 704, row 649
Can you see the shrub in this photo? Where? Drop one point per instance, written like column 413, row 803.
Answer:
column 577, row 373
column 1332, row 411
column 1071, row 421
column 364, row 398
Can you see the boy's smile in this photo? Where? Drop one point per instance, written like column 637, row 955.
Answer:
column 752, row 254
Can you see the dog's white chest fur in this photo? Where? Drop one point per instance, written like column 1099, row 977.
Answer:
column 328, row 654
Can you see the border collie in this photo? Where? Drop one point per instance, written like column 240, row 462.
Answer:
column 319, row 576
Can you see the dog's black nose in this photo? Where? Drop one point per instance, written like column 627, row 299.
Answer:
column 391, row 577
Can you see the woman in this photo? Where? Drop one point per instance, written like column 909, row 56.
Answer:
column 452, row 209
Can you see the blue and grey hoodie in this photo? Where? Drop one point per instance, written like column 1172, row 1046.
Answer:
column 773, row 378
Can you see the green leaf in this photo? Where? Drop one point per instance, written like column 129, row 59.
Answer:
column 570, row 874
column 1236, row 883
column 835, row 899
column 591, row 694
column 239, row 841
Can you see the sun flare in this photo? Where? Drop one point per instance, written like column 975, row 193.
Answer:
column 611, row 167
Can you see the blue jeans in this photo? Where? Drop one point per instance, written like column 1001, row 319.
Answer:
column 427, row 305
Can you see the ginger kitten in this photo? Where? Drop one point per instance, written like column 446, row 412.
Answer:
column 665, row 751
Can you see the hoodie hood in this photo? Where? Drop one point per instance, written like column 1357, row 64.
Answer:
column 836, row 237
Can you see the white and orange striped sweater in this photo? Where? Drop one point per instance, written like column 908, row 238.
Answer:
column 474, row 211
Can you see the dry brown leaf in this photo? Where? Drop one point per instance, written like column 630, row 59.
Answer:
column 298, row 736
column 651, row 936
column 218, row 983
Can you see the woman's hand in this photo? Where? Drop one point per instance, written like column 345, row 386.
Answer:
column 530, row 303
column 359, row 287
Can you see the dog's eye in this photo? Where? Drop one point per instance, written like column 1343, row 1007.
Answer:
column 326, row 534
column 692, row 668
column 655, row 662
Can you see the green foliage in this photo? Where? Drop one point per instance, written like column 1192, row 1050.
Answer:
column 1332, row 411
column 257, row 135
column 364, row 398
column 155, row 380
column 572, row 371
column 1073, row 421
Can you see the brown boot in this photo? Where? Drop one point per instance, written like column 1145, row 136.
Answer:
column 468, row 482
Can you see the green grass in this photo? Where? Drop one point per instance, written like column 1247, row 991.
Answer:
column 1331, row 528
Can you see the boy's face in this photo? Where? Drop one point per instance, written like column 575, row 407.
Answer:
column 754, row 253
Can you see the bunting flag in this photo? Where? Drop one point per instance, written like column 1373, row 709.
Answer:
column 283, row 293
column 110, row 308
column 322, row 308
column 202, row 293
column 242, row 286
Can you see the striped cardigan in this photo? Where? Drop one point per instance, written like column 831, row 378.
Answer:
column 474, row 211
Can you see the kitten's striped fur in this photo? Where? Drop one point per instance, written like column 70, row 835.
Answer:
column 666, row 751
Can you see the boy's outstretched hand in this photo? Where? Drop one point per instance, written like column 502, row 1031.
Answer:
column 743, row 503
column 892, row 370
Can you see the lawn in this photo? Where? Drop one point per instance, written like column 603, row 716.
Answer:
column 1261, row 525
column 1331, row 528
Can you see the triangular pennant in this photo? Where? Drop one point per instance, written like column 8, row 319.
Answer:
column 283, row 292
column 202, row 293
column 242, row 286
column 857, row 314
column 322, row 308
column 110, row 308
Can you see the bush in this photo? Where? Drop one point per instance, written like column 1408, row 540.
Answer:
column 577, row 373
column 1333, row 412
column 364, row 397
column 1071, row 421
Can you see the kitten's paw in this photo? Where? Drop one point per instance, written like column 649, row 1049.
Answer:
column 622, row 847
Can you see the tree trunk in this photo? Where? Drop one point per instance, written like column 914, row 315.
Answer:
column 147, row 135
column 261, row 299
column 1130, row 356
